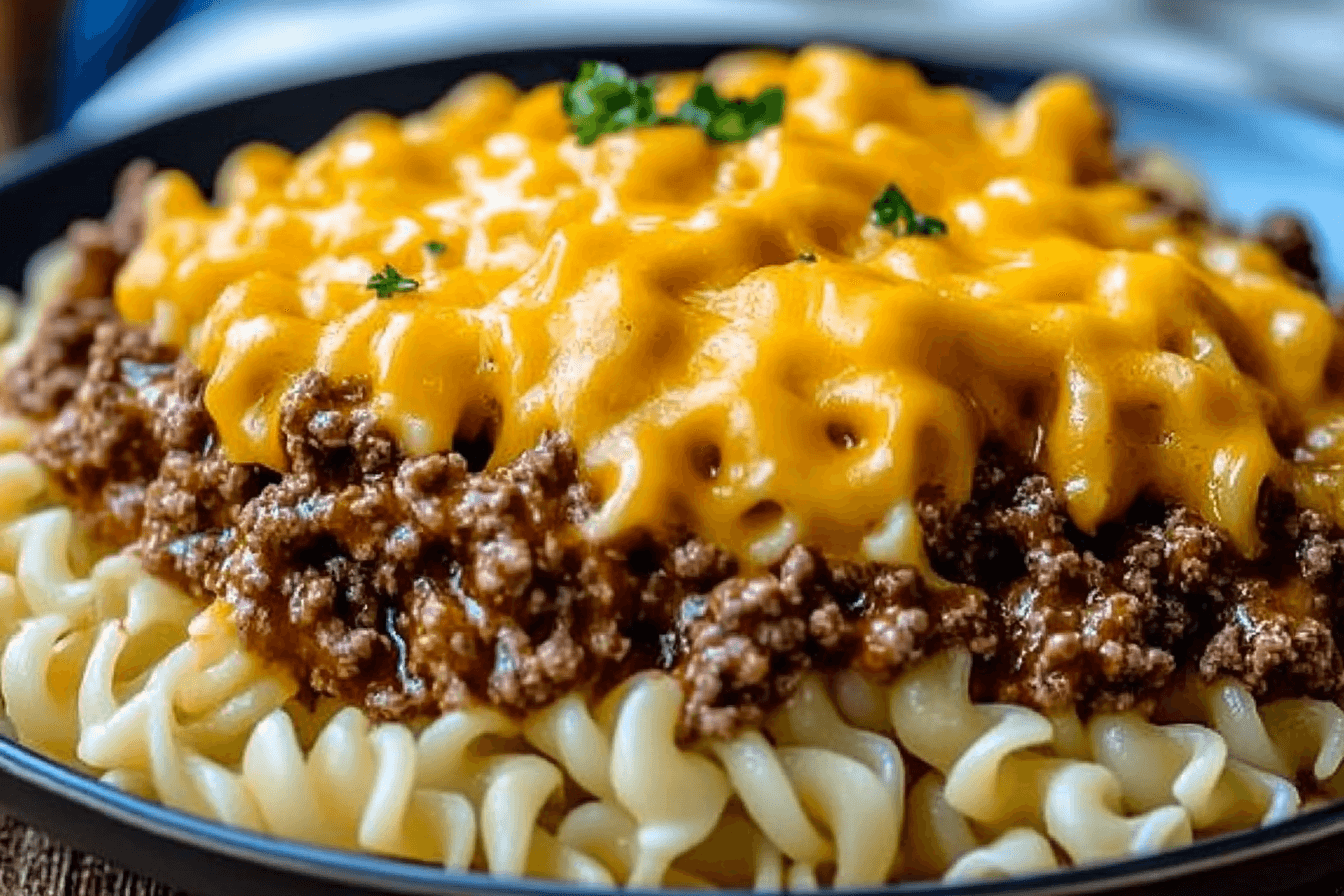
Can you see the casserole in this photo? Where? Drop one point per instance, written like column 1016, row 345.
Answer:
column 1289, row 822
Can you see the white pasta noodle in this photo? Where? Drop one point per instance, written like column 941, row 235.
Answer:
column 811, row 718
column 38, row 680
column 997, row 773
column 760, row 780
column 935, row 834
column 1017, row 851
column 1231, row 711
column 517, row 787
column 861, row 700
column 567, row 732
column 604, row 831
column 939, row 841
column 1070, row 736
column 735, row 853
column 677, row 805
column 1083, row 815
column 801, row 878
column 1309, row 735
column 852, row 803
column 23, row 479
column 547, row 857
column 1188, row 765
column 1286, row 738
column 931, row 713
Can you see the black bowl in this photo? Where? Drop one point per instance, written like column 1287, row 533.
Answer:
column 1257, row 156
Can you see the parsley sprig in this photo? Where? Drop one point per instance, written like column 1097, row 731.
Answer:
column 728, row 120
column 893, row 211
column 388, row 282
column 603, row 99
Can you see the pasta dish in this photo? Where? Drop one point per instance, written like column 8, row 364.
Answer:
column 784, row 475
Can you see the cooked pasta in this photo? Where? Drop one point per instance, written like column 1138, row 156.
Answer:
column 1189, row 764
column 995, row 777
column 160, row 699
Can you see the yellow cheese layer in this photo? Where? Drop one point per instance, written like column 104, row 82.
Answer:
column 646, row 295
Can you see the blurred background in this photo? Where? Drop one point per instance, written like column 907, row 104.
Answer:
column 77, row 75
column 100, row 68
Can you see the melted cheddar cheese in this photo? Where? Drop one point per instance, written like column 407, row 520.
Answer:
column 646, row 295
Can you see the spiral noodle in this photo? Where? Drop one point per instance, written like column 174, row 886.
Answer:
column 1188, row 765
column 999, row 771
column 124, row 676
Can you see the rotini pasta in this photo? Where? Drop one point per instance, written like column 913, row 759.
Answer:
column 1188, row 765
column 996, row 774
column 159, row 698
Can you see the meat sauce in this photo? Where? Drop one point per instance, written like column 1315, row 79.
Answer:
column 412, row 581
column 414, row 584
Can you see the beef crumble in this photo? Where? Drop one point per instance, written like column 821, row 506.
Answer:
column 1288, row 237
column 54, row 365
column 1107, row 619
column 413, row 585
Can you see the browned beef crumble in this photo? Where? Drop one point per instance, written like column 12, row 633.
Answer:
column 1288, row 236
column 105, row 445
column 1108, row 618
column 417, row 584
column 412, row 585
column 46, row 378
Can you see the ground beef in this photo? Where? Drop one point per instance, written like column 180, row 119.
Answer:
column 54, row 366
column 414, row 585
column 742, row 647
column 1105, row 620
column 102, row 448
column 1288, row 236
column 46, row 377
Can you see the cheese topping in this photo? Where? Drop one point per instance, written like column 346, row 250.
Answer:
column 646, row 295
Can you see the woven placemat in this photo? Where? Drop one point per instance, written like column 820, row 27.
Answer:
column 33, row 864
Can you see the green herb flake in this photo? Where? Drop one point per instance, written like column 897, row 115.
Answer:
column 388, row 282
column 434, row 247
column 894, row 212
column 603, row 99
column 724, row 120
column 807, row 256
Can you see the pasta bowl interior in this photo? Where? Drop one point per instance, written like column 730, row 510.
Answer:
column 781, row 475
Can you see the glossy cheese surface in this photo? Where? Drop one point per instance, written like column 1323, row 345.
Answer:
column 656, row 296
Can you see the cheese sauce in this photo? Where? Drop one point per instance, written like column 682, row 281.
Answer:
column 732, row 345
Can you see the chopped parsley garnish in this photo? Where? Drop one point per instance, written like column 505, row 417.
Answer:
column 388, row 282
column 893, row 211
column 728, row 120
column 807, row 256
column 434, row 247
column 603, row 99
